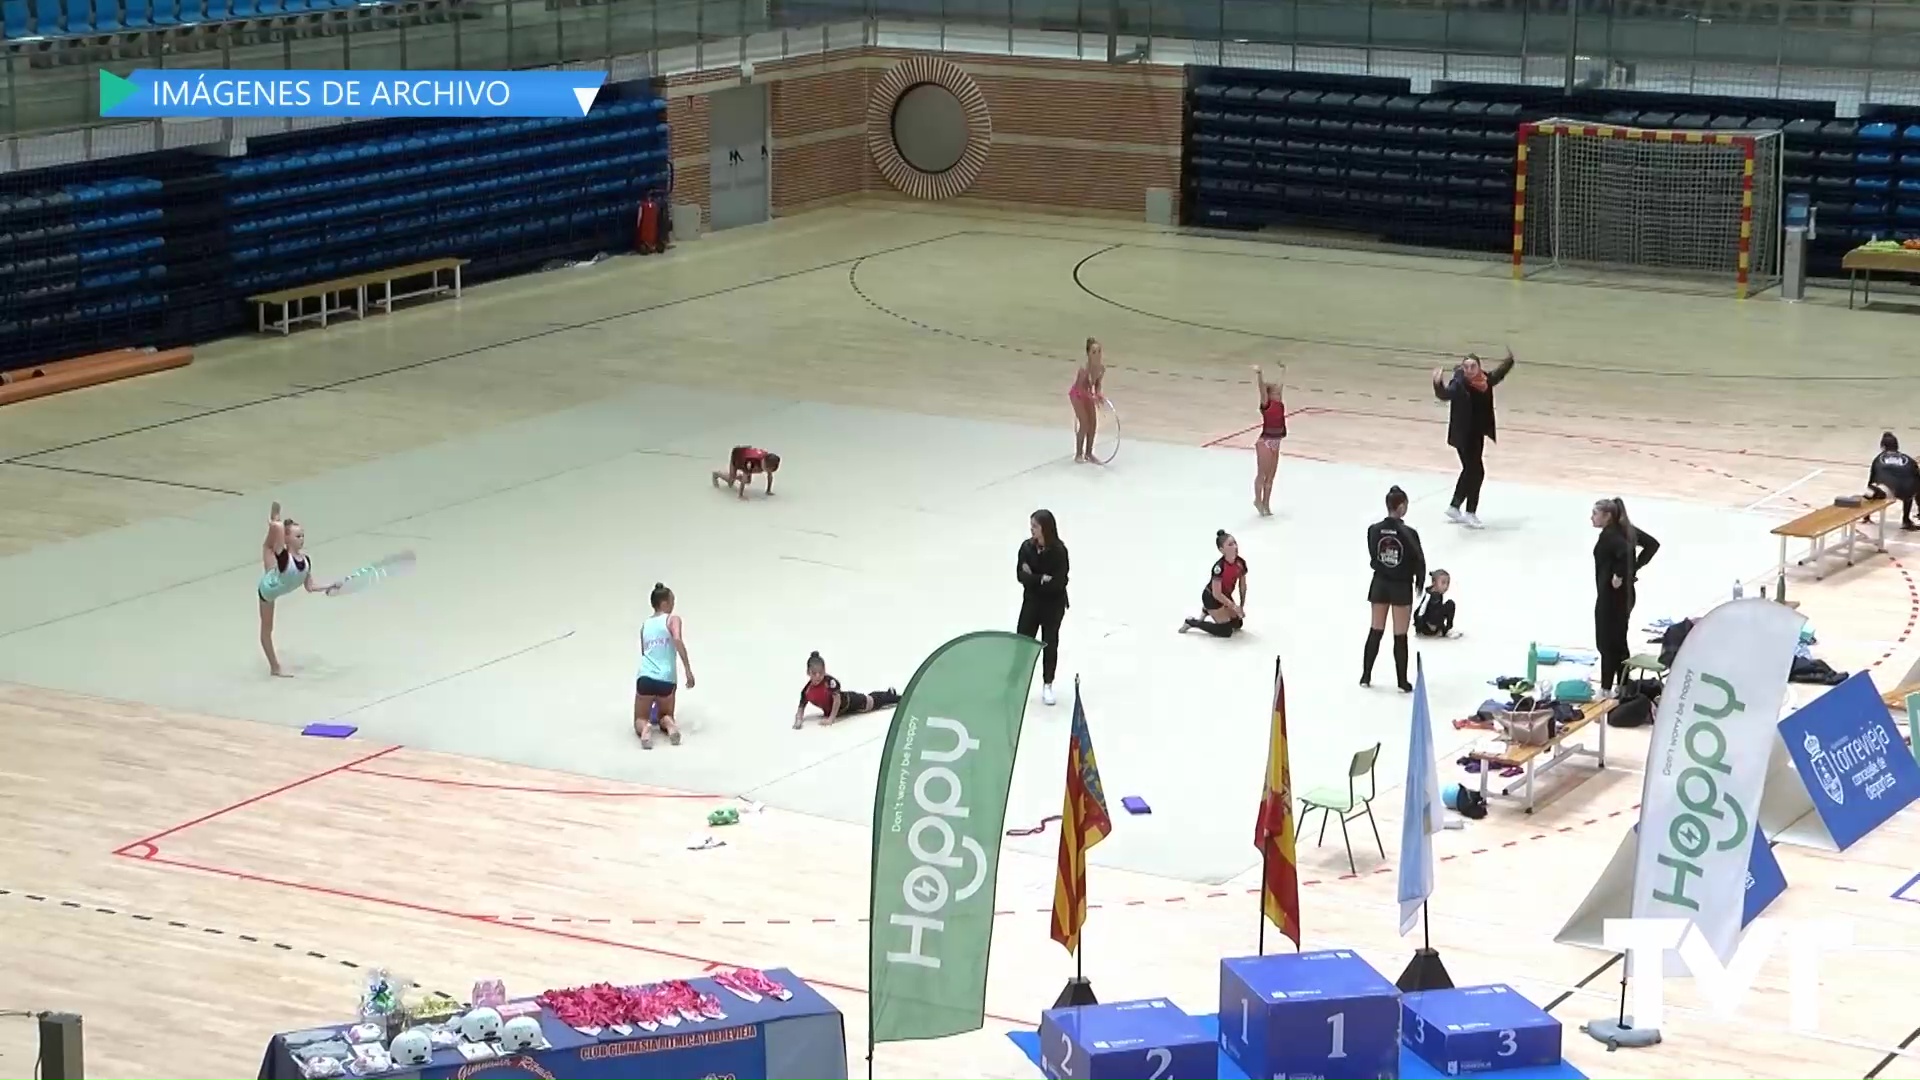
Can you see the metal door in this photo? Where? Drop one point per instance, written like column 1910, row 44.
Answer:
column 738, row 176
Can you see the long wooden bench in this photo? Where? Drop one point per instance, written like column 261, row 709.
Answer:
column 349, row 295
column 1502, row 754
column 1817, row 526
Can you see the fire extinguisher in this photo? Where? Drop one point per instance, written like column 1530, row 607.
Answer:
column 647, row 228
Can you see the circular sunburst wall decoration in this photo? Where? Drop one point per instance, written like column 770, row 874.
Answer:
column 928, row 128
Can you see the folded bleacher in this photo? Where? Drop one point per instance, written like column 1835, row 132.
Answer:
column 46, row 24
column 82, row 264
column 507, row 194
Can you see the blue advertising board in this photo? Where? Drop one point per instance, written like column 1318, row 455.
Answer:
column 1853, row 761
column 1127, row 1040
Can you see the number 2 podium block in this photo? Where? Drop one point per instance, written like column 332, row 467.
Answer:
column 1295, row 1016
column 1478, row 1029
column 1129, row 1040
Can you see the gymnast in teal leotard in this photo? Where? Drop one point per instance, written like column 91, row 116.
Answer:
column 286, row 569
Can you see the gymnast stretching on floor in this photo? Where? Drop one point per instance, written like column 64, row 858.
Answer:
column 822, row 691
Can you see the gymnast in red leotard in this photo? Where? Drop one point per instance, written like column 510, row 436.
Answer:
column 1086, row 397
column 1266, row 450
column 745, row 463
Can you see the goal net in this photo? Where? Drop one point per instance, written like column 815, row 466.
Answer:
column 1654, row 200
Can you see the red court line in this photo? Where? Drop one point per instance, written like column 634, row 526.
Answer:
column 1605, row 439
column 446, row 782
column 147, row 841
column 428, row 909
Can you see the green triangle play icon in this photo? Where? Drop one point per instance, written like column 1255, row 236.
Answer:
column 113, row 91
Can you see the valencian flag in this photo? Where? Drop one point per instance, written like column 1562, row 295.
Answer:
column 1273, row 834
column 1083, row 823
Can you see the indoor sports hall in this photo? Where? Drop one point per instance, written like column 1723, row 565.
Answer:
column 190, row 873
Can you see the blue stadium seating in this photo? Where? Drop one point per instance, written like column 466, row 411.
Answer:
column 16, row 19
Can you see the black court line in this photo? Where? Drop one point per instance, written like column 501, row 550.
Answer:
column 1894, row 1054
column 454, row 675
column 121, row 476
column 53, row 903
column 1448, row 356
column 534, row 336
column 1582, row 984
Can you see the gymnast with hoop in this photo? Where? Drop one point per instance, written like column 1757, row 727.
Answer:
column 1086, row 396
column 285, row 569
column 1266, row 450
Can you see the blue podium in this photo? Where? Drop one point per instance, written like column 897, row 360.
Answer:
column 1129, row 1040
column 1313, row 1014
column 1479, row 1029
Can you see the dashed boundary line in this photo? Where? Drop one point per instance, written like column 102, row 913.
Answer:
column 55, row 903
column 1216, row 894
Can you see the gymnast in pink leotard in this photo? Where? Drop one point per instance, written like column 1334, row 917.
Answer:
column 1086, row 397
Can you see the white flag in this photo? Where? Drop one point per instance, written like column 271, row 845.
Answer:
column 1707, row 766
column 1425, row 814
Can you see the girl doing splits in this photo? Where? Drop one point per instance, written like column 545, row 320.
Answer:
column 1266, row 451
column 1041, row 568
column 1399, row 564
column 1223, row 614
column 1618, row 556
column 663, row 651
column 1085, row 396
column 745, row 463
column 285, row 568
column 822, row 691
column 1468, row 393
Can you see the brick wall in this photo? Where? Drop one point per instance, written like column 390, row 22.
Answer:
column 1076, row 136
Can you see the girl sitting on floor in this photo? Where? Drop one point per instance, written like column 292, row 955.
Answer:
column 1434, row 616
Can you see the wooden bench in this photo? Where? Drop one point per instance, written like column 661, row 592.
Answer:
column 1501, row 754
column 1861, row 263
column 348, row 295
column 1816, row 526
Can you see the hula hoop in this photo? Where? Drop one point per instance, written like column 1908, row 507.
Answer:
column 1106, row 441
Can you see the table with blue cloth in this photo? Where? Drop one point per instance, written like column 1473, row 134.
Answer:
column 803, row 1038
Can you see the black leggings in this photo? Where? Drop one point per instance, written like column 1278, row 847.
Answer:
column 1612, row 611
column 1040, row 617
column 1473, row 473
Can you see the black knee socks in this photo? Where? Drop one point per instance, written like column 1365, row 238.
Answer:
column 1400, row 660
column 885, row 698
column 1220, row 630
column 1370, row 655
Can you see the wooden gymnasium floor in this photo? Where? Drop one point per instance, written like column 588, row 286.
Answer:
column 192, row 876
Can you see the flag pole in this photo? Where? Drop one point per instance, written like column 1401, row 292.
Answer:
column 1265, row 855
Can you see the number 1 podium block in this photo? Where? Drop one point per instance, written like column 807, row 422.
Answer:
column 1129, row 1040
column 1325, row 1014
column 1479, row 1029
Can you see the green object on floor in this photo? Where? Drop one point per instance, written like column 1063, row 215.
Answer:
column 726, row 815
column 1913, row 724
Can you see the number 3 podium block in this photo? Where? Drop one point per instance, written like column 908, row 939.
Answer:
column 1479, row 1029
column 1322, row 1014
column 1129, row 1040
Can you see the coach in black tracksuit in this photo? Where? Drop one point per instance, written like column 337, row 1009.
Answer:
column 1619, row 555
column 1399, row 566
column 1894, row 474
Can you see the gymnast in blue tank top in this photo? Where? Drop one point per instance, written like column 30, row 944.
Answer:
column 285, row 569
column 663, row 652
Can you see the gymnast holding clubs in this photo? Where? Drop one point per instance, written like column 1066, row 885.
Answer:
column 823, row 692
column 285, row 569
column 745, row 463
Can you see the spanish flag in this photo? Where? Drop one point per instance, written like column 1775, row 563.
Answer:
column 1273, row 833
column 1083, row 823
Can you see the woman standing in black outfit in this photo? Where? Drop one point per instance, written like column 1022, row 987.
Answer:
column 1399, row 564
column 1041, row 569
column 1470, row 425
column 1618, row 557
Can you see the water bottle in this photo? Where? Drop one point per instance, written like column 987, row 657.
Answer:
column 1533, row 662
column 1739, row 590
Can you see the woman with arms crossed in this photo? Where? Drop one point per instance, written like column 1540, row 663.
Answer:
column 663, row 650
column 1266, row 450
column 1041, row 567
column 1468, row 393
column 285, row 568
column 1618, row 556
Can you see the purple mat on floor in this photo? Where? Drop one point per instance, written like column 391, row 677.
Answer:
column 329, row 731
